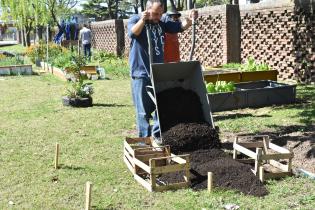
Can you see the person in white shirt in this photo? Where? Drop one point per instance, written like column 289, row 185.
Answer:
column 85, row 37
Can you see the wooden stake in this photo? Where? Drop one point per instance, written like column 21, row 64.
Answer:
column 57, row 156
column 88, row 190
column 210, row 181
column 261, row 174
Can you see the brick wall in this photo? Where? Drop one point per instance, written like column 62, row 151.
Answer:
column 280, row 33
column 108, row 36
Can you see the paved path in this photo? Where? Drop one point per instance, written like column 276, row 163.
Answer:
column 7, row 43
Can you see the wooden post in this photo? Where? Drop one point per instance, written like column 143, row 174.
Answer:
column 210, row 181
column 88, row 190
column 290, row 161
column 261, row 174
column 57, row 156
column 234, row 150
column 258, row 160
column 152, row 176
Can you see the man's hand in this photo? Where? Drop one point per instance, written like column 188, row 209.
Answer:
column 145, row 15
column 137, row 28
column 193, row 14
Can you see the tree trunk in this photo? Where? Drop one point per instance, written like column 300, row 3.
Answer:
column 116, row 9
column 142, row 5
column 165, row 5
column 173, row 5
column 40, row 32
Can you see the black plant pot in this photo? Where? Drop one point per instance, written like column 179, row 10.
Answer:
column 77, row 102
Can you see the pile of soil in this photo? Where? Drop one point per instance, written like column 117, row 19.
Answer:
column 227, row 173
column 177, row 105
column 187, row 137
column 185, row 130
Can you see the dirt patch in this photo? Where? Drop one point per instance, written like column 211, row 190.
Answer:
column 186, row 137
column 177, row 105
column 228, row 173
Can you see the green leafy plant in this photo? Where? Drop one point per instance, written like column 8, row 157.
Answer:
column 78, row 88
column 220, row 86
column 231, row 65
column 251, row 65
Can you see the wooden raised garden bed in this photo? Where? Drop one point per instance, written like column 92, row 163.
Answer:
column 247, row 76
column 269, row 158
column 16, row 70
column 147, row 163
column 90, row 71
column 239, row 76
column 253, row 95
column 222, row 75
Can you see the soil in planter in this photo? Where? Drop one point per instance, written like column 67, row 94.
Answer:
column 187, row 137
column 227, row 173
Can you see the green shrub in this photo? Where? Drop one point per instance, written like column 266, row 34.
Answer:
column 113, row 65
column 11, row 61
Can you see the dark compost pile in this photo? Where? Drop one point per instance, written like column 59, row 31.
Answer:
column 186, row 131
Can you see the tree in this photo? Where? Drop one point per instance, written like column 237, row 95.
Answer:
column 60, row 9
column 107, row 9
column 202, row 3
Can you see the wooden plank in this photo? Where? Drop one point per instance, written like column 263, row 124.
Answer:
column 142, row 165
column 129, row 149
column 276, row 175
column 278, row 148
column 145, row 140
column 234, row 150
column 147, row 157
column 266, row 146
column 129, row 158
column 143, row 182
column 181, row 159
column 244, row 151
column 168, row 168
column 132, row 170
column 152, row 175
column 251, row 144
column 258, row 160
column 174, row 186
column 245, row 160
column 276, row 156
column 279, row 165
column 187, row 171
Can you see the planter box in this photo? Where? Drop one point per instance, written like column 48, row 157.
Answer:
column 222, row 75
column 238, row 76
column 253, row 95
column 247, row 76
column 16, row 70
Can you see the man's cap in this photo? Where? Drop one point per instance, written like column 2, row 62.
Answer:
column 173, row 12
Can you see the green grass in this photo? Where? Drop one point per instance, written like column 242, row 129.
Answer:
column 33, row 120
column 14, row 48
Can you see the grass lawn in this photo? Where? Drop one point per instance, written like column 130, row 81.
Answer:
column 14, row 48
column 33, row 120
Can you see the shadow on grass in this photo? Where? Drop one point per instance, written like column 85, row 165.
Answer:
column 236, row 116
column 111, row 105
column 75, row 168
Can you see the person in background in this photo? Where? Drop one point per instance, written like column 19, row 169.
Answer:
column 171, row 43
column 139, row 60
column 85, row 37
